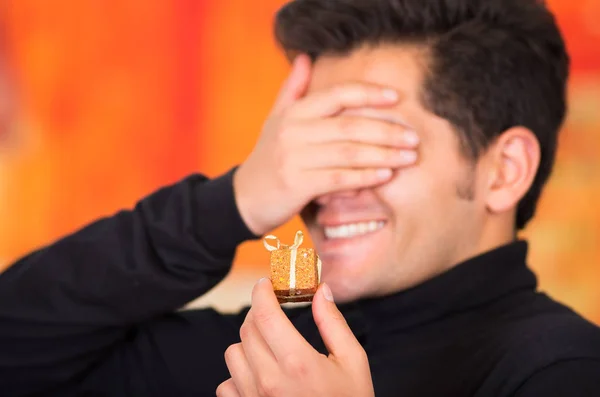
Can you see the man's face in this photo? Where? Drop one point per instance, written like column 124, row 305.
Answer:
column 427, row 218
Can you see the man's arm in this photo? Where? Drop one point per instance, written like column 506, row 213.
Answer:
column 64, row 308
column 77, row 311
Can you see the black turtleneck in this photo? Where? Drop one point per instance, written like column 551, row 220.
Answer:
column 96, row 314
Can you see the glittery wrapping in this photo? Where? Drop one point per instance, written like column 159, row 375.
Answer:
column 306, row 275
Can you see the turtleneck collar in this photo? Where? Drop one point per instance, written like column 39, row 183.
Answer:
column 471, row 283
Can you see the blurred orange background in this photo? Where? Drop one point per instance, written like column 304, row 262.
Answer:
column 121, row 98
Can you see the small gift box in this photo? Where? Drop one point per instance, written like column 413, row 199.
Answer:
column 295, row 271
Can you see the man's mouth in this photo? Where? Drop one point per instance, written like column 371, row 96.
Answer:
column 349, row 230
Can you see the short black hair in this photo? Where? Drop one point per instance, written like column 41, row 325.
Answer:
column 491, row 65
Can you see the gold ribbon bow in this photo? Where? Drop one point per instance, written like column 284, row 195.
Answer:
column 298, row 239
column 297, row 242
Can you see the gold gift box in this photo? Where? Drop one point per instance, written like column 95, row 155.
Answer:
column 295, row 271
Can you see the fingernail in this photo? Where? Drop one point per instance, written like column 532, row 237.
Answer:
column 327, row 292
column 411, row 137
column 390, row 94
column 262, row 280
column 384, row 173
column 408, row 156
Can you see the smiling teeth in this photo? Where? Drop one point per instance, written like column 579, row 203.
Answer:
column 352, row 229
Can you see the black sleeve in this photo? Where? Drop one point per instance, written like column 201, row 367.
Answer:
column 176, row 355
column 579, row 378
column 67, row 309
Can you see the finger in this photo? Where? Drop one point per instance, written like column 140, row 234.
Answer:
column 274, row 326
column 357, row 155
column 334, row 330
column 352, row 95
column 341, row 179
column 256, row 349
column 296, row 84
column 228, row 389
column 358, row 129
column 240, row 370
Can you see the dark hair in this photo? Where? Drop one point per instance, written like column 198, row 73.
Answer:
column 491, row 64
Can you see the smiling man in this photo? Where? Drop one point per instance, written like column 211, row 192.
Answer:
column 414, row 138
column 427, row 218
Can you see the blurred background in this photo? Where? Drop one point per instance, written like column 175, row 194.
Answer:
column 121, row 98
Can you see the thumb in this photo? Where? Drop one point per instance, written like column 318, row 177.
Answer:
column 337, row 335
column 296, row 84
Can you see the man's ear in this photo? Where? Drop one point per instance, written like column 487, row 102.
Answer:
column 515, row 158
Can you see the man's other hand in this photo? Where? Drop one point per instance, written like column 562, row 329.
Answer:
column 307, row 149
column 274, row 360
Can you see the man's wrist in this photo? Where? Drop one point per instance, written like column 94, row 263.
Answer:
column 244, row 203
column 216, row 197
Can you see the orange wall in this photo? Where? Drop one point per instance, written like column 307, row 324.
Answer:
column 122, row 97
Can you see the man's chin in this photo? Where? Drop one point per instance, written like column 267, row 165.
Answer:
column 345, row 285
column 346, row 294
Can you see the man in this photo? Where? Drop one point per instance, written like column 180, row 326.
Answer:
column 415, row 138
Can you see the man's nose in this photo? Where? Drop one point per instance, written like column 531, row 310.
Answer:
column 328, row 198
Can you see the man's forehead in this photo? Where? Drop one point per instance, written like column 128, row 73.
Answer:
column 393, row 66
